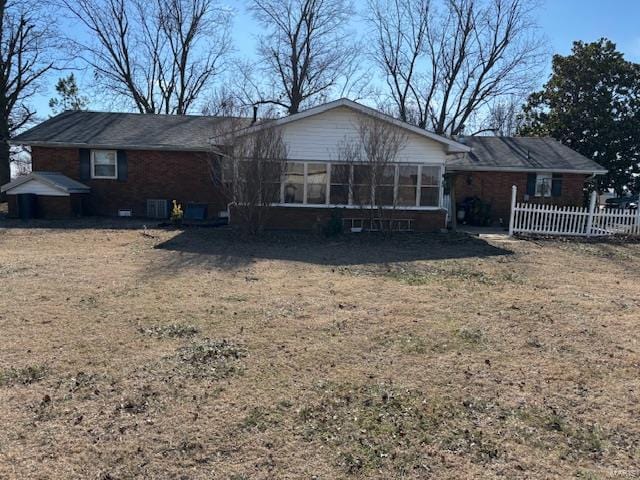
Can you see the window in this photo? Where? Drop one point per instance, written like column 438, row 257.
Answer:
column 361, row 184
column 543, row 184
column 407, row 185
column 294, row 183
column 317, row 183
column 104, row 164
column 430, row 187
column 322, row 183
column 339, row 190
column 385, row 186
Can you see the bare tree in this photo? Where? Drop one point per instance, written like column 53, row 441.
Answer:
column 159, row 54
column 445, row 63
column 247, row 167
column 372, row 157
column 27, row 40
column 505, row 117
column 305, row 53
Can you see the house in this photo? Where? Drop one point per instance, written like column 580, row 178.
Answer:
column 136, row 164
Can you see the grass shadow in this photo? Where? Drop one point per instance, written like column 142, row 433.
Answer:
column 226, row 250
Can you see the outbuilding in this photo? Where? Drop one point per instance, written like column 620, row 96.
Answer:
column 45, row 195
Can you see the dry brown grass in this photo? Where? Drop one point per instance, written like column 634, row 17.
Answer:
column 199, row 355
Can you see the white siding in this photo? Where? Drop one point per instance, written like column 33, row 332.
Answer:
column 39, row 188
column 318, row 138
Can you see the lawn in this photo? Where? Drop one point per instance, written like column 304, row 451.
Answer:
column 197, row 354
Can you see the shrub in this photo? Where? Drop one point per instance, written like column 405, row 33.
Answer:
column 334, row 226
column 176, row 212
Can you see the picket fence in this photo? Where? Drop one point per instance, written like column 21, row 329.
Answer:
column 572, row 221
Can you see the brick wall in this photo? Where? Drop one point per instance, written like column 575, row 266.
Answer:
column 308, row 218
column 54, row 207
column 495, row 188
column 183, row 176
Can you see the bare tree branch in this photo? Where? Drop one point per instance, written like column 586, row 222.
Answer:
column 27, row 42
column 306, row 52
column 444, row 65
column 160, row 54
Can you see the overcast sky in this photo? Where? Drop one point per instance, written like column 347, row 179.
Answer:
column 561, row 22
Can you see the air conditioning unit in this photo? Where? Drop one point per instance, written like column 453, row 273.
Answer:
column 157, row 208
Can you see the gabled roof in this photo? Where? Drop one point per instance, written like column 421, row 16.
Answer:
column 53, row 179
column 86, row 129
column 451, row 145
column 531, row 154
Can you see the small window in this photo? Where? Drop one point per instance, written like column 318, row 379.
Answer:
column 543, row 184
column 104, row 164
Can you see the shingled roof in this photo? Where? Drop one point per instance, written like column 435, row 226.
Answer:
column 126, row 130
column 522, row 154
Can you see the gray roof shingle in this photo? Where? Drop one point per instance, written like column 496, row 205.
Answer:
column 521, row 153
column 53, row 179
column 126, row 130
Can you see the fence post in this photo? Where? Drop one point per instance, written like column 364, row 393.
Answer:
column 592, row 208
column 514, row 190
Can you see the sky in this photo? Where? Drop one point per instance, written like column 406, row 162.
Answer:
column 561, row 22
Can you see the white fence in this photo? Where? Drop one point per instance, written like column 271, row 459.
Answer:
column 573, row 221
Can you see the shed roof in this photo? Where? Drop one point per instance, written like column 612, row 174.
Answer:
column 53, row 179
column 522, row 154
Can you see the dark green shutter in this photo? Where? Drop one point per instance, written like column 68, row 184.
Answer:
column 123, row 168
column 85, row 164
column 556, row 185
column 531, row 184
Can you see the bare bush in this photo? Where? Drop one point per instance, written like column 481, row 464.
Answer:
column 247, row 167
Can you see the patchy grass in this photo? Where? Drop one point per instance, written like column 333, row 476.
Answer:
column 174, row 330
column 292, row 356
column 212, row 358
column 22, row 376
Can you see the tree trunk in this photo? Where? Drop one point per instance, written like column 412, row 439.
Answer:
column 5, row 169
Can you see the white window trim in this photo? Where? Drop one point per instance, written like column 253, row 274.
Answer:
column 549, row 176
column 327, row 203
column 104, row 177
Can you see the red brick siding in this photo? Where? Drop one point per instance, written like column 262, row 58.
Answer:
column 183, row 176
column 495, row 188
column 54, row 207
column 12, row 206
column 308, row 218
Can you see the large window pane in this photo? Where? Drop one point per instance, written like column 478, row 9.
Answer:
column 407, row 185
column 362, row 184
column 429, row 196
column 430, row 176
column 339, row 184
column 317, row 183
column 294, row 183
column 385, row 185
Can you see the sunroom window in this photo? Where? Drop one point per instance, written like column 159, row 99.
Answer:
column 317, row 183
column 430, row 187
column 294, row 182
column 407, row 185
column 104, row 164
column 339, row 188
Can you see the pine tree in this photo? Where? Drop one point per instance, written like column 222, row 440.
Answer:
column 69, row 97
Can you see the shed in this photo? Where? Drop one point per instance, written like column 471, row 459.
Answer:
column 45, row 195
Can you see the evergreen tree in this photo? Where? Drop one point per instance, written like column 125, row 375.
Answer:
column 69, row 97
column 592, row 104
